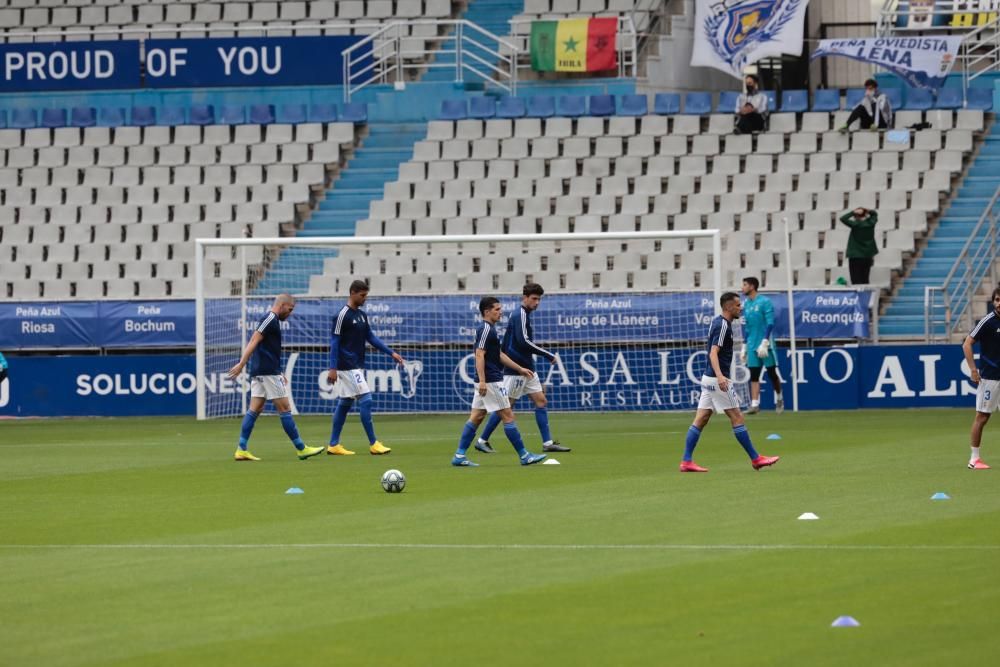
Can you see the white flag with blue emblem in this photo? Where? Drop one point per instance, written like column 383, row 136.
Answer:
column 732, row 34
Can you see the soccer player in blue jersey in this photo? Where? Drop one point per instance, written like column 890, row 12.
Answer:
column 491, row 395
column 759, row 351
column 266, row 381
column 351, row 333
column 717, row 392
column 518, row 344
column 986, row 376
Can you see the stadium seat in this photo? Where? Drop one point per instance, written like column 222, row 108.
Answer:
column 572, row 106
column 511, row 107
column 83, row 117
column 482, row 107
column 981, row 99
column 541, row 106
column 143, row 116
column 261, row 114
column 949, row 98
column 795, row 101
column 232, row 114
column 3, row 119
column 727, row 102
column 826, row 100
column 697, row 104
column 772, row 99
column 354, row 112
column 634, row 105
column 323, row 113
column 53, row 118
column 667, row 104
column 201, row 114
column 918, row 99
column 854, row 97
column 602, row 105
column 111, row 117
column 291, row 114
column 454, row 110
column 173, row 116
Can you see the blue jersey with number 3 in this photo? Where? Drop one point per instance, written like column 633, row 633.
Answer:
column 987, row 334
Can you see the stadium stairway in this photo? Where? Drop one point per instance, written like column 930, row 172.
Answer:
column 491, row 15
column 905, row 315
column 374, row 163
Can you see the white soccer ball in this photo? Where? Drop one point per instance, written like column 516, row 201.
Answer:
column 393, row 481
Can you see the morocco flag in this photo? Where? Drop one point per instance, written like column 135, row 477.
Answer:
column 574, row 45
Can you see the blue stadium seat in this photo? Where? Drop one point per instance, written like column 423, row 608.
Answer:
column 981, row 99
column 24, row 118
column 202, row 114
column 727, row 102
column 173, row 116
column 895, row 96
column 572, row 106
column 602, row 105
column 454, row 110
column 918, row 99
column 826, row 100
column 261, row 114
column 354, row 112
column 795, row 101
column 482, row 107
column 143, row 116
column 541, row 106
column 111, row 116
column 230, row 114
column 3, row 119
column 511, row 107
column 854, row 97
column 949, row 98
column 667, row 104
column 634, row 105
column 323, row 113
column 772, row 100
column 697, row 104
column 83, row 117
column 53, row 118
column 291, row 113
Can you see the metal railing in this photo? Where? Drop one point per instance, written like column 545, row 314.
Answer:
column 627, row 44
column 952, row 304
column 386, row 55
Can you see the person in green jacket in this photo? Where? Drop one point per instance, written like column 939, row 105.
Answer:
column 861, row 245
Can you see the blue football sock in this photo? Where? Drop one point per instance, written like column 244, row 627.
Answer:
column 491, row 425
column 344, row 406
column 743, row 437
column 542, row 419
column 510, row 430
column 365, row 408
column 291, row 431
column 468, row 433
column 691, row 442
column 249, row 419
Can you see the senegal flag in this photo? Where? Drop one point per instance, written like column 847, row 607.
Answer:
column 574, row 45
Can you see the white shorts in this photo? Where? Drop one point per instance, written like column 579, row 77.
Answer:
column 269, row 387
column 988, row 396
column 353, row 383
column 518, row 385
column 494, row 400
column 713, row 398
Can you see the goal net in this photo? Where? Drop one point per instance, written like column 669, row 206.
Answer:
column 626, row 315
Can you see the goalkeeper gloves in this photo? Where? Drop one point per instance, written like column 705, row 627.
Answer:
column 743, row 353
column 764, row 348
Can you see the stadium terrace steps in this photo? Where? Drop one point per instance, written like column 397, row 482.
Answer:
column 490, row 15
column 905, row 314
column 375, row 162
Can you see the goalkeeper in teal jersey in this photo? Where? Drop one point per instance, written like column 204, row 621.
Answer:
column 758, row 348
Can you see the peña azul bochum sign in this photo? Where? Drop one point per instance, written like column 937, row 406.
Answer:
column 174, row 63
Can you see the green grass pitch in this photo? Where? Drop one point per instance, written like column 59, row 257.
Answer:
column 140, row 542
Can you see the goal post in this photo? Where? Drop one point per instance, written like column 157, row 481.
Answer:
column 625, row 313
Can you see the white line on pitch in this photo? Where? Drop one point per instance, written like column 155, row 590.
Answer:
column 529, row 547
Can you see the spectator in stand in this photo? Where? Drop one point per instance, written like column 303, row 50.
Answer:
column 874, row 111
column 861, row 245
column 751, row 107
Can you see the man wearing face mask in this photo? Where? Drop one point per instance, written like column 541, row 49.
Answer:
column 751, row 107
column 874, row 111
